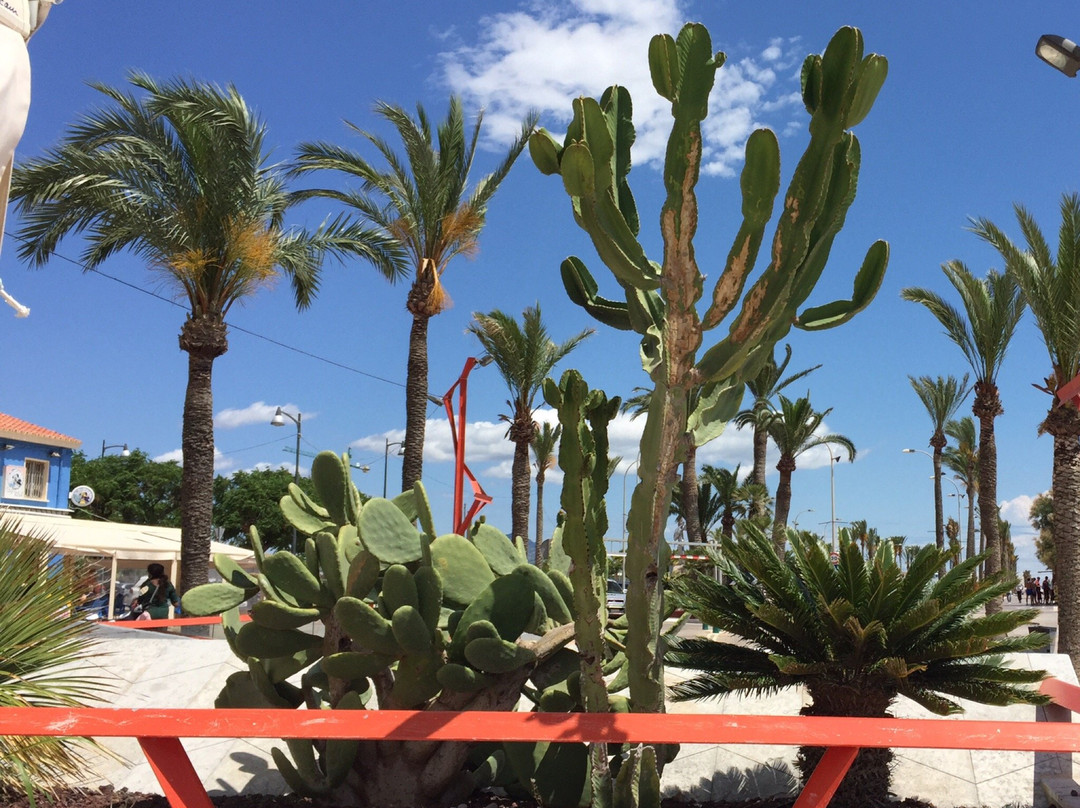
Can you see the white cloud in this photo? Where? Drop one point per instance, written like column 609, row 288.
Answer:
column 1015, row 511
column 222, row 464
column 542, row 56
column 258, row 413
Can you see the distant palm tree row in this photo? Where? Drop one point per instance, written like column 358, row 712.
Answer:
column 1047, row 283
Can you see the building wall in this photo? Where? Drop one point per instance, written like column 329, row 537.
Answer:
column 14, row 481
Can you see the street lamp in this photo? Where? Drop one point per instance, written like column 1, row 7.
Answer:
column 832, row 493
column 122, row 446
column 1060, row 53
column 795, row 521
column 386, row 459
column 279, row 420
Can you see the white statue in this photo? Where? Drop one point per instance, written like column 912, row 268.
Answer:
column 19, row 20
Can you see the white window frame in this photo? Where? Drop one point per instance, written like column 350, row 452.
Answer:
column 37, row 473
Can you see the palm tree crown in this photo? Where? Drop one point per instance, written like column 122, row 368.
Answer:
column 423, row 203
column 525, row 355
column 793, row 428
column 177, row 175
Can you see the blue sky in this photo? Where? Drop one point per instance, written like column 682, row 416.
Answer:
column 968, row 123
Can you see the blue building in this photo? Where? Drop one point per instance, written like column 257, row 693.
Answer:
column 36, row 466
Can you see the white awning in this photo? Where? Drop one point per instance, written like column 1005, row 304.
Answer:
column 117, row 540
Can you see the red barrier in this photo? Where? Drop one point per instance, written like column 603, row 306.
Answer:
column 159, row 731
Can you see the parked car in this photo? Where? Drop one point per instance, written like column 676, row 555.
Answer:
column 616, row 597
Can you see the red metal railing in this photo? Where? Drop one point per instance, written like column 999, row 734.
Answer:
column 159, row 731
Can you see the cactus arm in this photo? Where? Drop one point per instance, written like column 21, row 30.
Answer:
column 581, row 288
column 867, row 282
column 760, row 182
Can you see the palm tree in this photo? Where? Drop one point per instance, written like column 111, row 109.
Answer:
column 544, row 441
column 992, row 308
column 856, row 636
column 963, row 461
column 1050, row 285
column 764, row 387
column 424, row 204
column 178, row 177
column 898, row 547
column 793, row 429
column 942, row 397
column 735, row 499
column 525, row 355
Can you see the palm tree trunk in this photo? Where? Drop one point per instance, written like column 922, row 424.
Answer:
column 416, row 391
column 783, row 503
column 939, row 506
column 689, row 494
column 537, row 558
column 970, row 520
column 986, row 407
column 519, row 493
column 761, row 450
column 1064, row 424
column 204, row 339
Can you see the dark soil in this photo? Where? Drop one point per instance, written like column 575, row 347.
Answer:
column 108, row 798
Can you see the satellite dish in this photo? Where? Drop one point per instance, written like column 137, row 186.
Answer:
column 81, row 496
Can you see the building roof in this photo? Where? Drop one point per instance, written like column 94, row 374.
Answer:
column 18, row 429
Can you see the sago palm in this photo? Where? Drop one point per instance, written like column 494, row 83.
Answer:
column 424, row 203
column 45, row 650
column 525, row 355
column 544, row 441
column 942, row 397
column 983, row 330
column 793, row 428
column 1050, row 285
column 177, row 175
column 963, row 461
column 764, row 387
column 856, row 635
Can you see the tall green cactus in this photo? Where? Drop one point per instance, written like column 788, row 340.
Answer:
column 410, row 620
column 583, row 458
column 660, row 300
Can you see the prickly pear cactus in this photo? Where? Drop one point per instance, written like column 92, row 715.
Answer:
column 373, row 612
column 660, row 299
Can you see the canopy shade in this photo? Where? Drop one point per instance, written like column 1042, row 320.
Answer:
column 115, row 539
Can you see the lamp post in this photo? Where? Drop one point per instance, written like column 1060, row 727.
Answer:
column 939, row 527
column 795, row 521
column 122, row 446
column 386, row 459
column 832, row 494
column 1060, row 53
column 279, row 420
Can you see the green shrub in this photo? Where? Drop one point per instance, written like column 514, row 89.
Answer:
column 857, row 635
column 43, row 648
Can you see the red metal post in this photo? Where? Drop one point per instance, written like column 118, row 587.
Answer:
column 172, row 767
column 826, row 777
column 457, row 433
